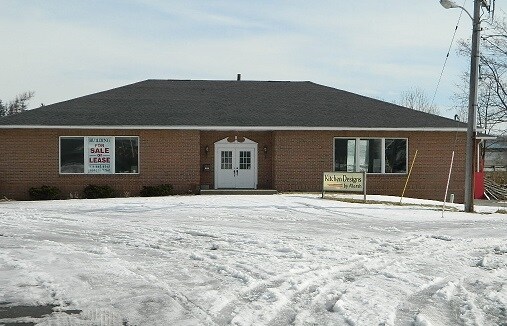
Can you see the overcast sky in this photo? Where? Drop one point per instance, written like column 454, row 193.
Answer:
column 63, row 49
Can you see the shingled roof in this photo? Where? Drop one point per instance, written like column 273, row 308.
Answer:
column 194, row 104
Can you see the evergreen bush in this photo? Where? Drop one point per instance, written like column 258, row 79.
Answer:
column 98, row 191
column 159, row 190
column 44, row 193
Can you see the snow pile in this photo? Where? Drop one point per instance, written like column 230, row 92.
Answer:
column 252, row 260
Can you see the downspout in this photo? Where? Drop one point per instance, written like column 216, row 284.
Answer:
column 478, row 167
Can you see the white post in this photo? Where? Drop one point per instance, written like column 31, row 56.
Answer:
column 448, row 180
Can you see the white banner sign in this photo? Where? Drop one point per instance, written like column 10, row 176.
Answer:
column 100, row 155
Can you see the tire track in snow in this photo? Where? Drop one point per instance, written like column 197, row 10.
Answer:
column 426, row 302
column 179, row 297
column 284, row 295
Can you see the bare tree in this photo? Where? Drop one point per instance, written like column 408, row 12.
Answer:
column 492, row 88
column 19, row 104
column 416, row 99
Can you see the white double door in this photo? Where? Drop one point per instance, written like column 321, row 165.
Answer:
column 236, row 164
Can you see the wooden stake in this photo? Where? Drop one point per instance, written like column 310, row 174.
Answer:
column 448, row 179
column 408, row 177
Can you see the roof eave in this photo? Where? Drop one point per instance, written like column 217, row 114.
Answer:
column 235, row 128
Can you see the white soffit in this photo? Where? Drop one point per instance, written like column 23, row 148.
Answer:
column 228, row 128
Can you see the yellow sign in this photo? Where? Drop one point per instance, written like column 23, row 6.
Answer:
column 344, row 181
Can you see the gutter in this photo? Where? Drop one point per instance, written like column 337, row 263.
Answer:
column 241, row 128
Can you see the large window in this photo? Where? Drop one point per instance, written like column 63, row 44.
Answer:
column 396, row 155
column 373, row 155
column 126, row 150
column 72, row 155
column 99, row 155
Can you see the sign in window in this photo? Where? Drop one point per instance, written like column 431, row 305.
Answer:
column 99, row 155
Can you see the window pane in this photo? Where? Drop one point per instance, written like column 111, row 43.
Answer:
column 126, row 155
column 226, row 160
column 72, row 155
column 362, row 155
column 396, row 156
column 244, row 160
column 344, row 155
column 370, row 155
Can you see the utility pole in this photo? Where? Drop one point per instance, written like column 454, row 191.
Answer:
column 472, row 108
column 472, row 99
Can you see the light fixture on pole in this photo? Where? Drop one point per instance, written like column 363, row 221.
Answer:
column 472, row 99
column 448, row 4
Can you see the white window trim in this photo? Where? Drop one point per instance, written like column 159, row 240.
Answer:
column 85, row 150
column 382, row 158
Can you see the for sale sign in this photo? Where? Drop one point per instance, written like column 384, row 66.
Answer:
column 100, row 155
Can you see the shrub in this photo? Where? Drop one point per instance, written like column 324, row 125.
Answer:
column 95, row 191
column 160, row 190
column 44, row 193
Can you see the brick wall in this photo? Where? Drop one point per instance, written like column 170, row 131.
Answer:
column 302, row 156
column 300, row 159
column 30, row 159
column 294, row 161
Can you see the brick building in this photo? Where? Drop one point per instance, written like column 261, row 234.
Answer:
column 228, row 134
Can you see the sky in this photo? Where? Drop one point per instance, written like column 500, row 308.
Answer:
column 67, row 49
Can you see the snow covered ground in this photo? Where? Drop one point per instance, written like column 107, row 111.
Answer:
column 253, row 260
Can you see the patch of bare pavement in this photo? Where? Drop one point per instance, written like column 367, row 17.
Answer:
column 16, row 315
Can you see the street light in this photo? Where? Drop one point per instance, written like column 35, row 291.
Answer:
column 472, row 99
column 448, row 4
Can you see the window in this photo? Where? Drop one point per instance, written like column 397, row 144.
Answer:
column 126, row 154
column 370, row 155
column 99, row 155
column 226, row 160
column 72, row 155
column 345, row 154
column 396, row 156
column 373, row 155
column 245, row 160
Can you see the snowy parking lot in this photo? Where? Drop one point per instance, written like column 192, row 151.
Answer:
column 251, row 260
